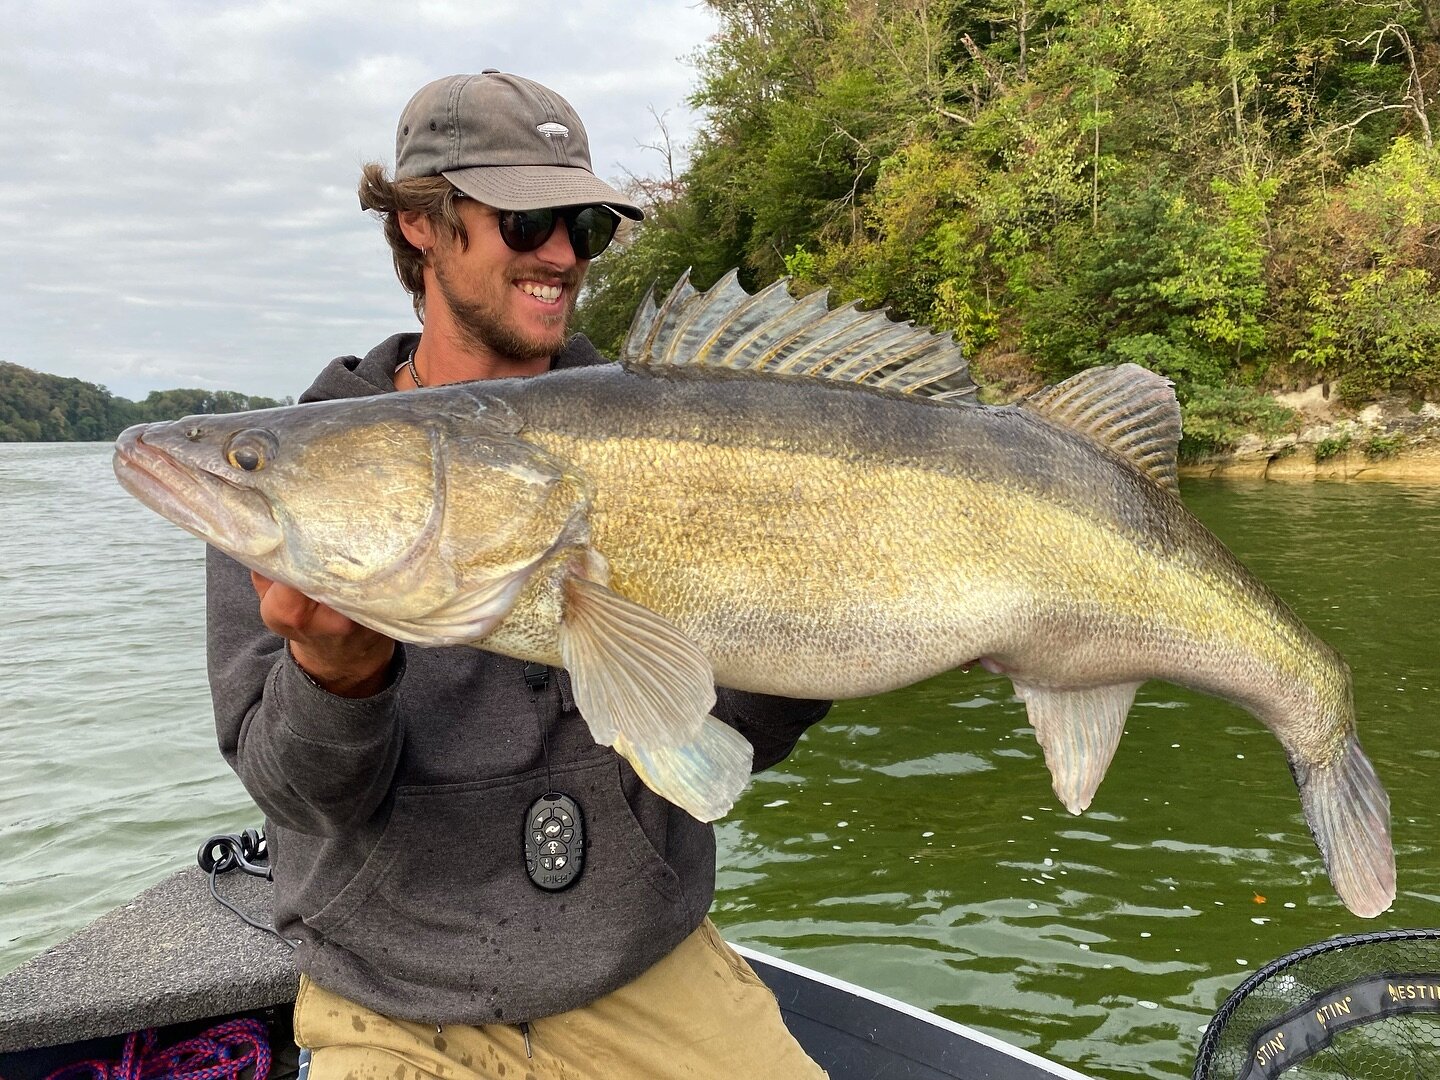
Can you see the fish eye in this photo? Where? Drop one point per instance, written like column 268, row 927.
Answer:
column 250, row 451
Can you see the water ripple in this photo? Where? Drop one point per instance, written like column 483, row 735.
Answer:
column 109, row 776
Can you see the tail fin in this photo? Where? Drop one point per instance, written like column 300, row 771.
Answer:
column 1349, row 815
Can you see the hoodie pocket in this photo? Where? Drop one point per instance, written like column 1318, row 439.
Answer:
column 447, row 883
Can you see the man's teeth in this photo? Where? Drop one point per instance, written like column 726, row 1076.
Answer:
column 548, row 293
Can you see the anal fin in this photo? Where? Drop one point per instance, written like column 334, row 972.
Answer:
column 703, row 777
column 1079, row 731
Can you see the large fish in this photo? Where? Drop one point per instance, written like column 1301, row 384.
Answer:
column 784, row 499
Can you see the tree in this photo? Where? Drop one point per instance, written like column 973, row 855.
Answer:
column 35, row 407
column 1238, row 193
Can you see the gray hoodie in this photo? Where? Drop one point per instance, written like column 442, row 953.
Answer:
column 395, row 821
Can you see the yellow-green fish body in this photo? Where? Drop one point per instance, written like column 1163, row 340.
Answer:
column 763, row 497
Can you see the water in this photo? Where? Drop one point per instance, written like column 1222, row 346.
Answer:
column 109, row 775
column 911, row 844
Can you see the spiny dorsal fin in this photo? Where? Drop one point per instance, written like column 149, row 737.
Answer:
column 640, row 323
column 771, row 331
column 1127, row 409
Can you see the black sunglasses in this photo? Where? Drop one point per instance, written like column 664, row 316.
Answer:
column 591, row 228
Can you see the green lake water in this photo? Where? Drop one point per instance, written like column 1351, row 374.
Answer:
column 911, row 844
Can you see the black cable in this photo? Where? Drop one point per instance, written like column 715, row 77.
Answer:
column 220, row 854
column 536, row 676
column 214, row 871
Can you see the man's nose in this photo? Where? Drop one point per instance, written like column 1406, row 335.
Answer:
column 557, row 251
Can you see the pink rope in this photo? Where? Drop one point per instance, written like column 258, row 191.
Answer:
column 223, row 1052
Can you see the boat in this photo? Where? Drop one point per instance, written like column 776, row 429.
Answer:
column 178, row 960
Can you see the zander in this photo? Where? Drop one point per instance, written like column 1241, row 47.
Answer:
column 790, row 500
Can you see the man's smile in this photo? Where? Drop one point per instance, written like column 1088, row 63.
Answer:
column 548, row 294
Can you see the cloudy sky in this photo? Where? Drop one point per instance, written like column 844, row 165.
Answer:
column 177, row 200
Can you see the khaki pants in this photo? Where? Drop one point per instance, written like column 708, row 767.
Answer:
column 701, row 1014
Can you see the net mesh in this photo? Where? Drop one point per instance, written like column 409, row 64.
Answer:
column 1366, row 1007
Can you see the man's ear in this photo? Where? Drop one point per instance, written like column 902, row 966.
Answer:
column 418, row 229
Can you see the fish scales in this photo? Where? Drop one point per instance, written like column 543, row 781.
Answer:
column 657, row 528
column 718, row 498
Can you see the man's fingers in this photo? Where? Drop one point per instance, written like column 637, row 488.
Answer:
column 288, row 612
column 336, row 652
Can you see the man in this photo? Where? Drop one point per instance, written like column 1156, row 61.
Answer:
column 403, row 787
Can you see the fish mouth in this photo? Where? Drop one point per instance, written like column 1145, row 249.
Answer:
column 232, row 518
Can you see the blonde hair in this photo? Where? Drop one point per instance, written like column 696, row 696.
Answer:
column 433, row 196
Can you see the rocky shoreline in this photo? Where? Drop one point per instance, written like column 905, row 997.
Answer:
column 1393, row 440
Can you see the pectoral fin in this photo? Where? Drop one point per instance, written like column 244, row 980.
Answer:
column 1078, row 730
column 635, row 674
column 703, row 777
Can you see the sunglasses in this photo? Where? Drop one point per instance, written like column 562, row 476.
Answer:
column 591, row 228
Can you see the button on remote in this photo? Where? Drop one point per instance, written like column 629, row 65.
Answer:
column 554, row 834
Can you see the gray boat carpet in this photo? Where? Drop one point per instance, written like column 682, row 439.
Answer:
column 169, row 956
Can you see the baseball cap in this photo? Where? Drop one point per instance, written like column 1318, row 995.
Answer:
column 506, row 141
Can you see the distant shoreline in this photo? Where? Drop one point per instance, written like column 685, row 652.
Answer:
column 1394, row 439
column 1415, row 465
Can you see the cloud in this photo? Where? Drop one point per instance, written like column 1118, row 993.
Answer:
column 178, row 204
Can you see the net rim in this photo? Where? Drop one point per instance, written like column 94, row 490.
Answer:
column 1210, row 1041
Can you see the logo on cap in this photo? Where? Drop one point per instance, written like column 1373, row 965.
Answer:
column 552, row 130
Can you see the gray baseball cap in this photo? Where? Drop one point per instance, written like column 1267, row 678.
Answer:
column 506, row 141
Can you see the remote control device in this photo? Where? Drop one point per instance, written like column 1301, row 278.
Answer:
column 554, row 841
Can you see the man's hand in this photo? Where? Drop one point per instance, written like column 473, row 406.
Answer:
column 338, row 653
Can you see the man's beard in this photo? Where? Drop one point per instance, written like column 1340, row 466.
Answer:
column 482, row 323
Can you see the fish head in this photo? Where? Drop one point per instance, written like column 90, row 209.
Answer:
column 180, row 470
column 388, row 508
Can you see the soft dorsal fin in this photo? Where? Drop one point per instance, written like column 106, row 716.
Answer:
column 1127, row 409
column 771, row 331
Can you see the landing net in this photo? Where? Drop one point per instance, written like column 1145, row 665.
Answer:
column 1365, row 1007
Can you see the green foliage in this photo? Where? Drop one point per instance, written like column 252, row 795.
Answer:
column 35, row 407
column 1393, row 320
column 1383, row 446
column 1218, row 417
column 1165, row 282
column 1367, row 277
column 1234, row 193
column 801, row 265
column 1332, row 446
column 922, row 253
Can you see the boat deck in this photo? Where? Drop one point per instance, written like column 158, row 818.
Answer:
column 176, row 960
column 169, row 956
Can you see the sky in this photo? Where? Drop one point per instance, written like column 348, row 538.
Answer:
column 177, row 179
